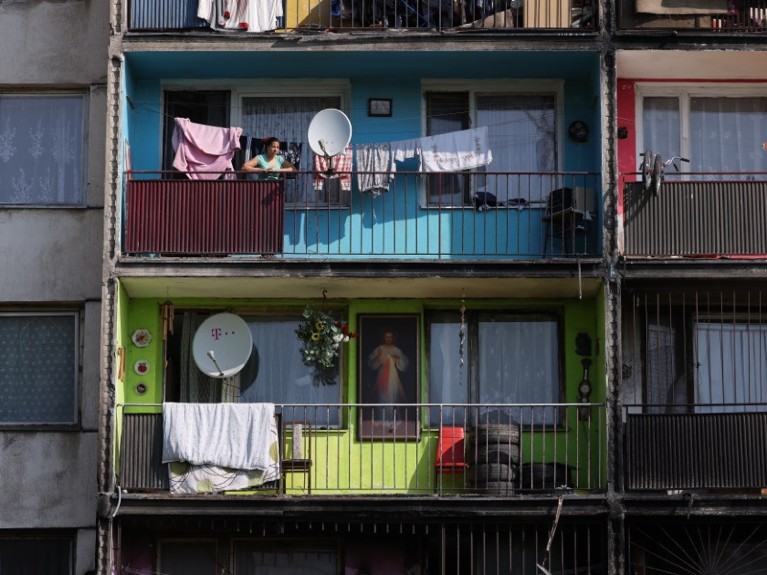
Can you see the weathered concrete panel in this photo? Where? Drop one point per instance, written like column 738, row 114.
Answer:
column 47, row 480
column 41, row 35
column 50, row 255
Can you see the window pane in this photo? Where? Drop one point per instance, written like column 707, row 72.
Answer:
column 727, row 134
column 660, row 122
column 275, row 372
column 519, row 363
column 522, row 136
column 448, row 378
column 282, row 376
column 730, row 360
column 447, row 112
column 188, row 557
column 38, row 361
column 41, row 148
column 33, row 556
column 254, row 559
column 288, row 118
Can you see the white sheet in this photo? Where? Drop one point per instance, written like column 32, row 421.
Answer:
column 234, row 435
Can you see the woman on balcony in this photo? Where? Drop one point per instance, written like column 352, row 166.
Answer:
column 270, row 164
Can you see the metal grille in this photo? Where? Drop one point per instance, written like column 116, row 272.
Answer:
column 189, row 217
column 164, row 15
column 696, row 451
column 141, row 461
column 695, row 219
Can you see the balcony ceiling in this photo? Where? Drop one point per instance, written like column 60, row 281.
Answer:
column 291, row 61
column 692, row 65
column 432, row 287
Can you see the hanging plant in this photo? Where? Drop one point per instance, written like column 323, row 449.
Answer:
column 321, row 336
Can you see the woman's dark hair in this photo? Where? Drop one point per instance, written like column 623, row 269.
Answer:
column 269, row 141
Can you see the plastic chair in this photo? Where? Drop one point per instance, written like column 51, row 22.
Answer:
column 450, row 456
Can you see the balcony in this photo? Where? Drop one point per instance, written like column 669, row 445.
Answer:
column 463, row 216
column 724, row 217
column 713, row 16
column 351, row 450
column 423, row 15
column 693, row 388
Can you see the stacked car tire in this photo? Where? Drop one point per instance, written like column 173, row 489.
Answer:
column 496, row 454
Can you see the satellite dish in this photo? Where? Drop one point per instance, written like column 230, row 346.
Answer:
column 330, row 131
column 222, row 345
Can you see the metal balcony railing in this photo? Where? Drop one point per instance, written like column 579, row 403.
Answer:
column 467, row 216
column 729, row 17
column 416, row 15
column 414, row 449
column 697, row 215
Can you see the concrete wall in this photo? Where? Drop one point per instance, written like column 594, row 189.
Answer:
column 53, row 256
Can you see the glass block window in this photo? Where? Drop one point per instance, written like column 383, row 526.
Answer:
column 38, row 368
column 42, row 149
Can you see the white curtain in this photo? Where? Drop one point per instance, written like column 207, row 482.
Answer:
column 725, row 134
column 41, row 150
column 448, row 379
column 728, row 134
column 731, row 365
column 275, row 372
column 522, row 136
column 661, row 127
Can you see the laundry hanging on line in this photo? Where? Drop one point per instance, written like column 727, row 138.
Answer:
column 245, row 15
column 204, row 151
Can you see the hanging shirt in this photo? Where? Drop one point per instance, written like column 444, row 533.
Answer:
column 342, row 169
column 374, row 168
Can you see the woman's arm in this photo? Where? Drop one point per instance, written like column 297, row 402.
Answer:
column 287, row 167
column 252, row 166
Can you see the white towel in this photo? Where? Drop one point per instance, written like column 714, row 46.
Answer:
column 455, row 151
column 235, row 435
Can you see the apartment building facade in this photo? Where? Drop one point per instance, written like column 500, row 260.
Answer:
column 573, row 381
column 52, row 113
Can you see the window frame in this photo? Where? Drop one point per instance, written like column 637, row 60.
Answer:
column 684, row 92
column 78, row 318
column 473, row 318
column 81, row 199
column 296, row 88
column 494, row 88
column 249, row 315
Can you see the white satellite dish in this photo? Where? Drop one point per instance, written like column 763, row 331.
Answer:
column 330, row 131
column 222, row 345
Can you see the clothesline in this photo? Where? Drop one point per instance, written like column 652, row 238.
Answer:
column 201, row 149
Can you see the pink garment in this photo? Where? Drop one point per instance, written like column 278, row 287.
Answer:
column 342, row 169
column 204, row 150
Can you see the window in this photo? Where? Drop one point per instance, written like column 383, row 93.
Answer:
column 730, row 364
column 287, row 117
column 36, row 555
column 701, row 352
column 284, row 558
column 275, row 372
column 718, row 131
column 42, row 149
column 522, row 133
column 196, row 557
column 38, row 368
column 505, row 358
